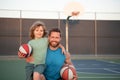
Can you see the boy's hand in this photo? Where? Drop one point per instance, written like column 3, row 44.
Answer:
column 63, row 49
column 20, row 55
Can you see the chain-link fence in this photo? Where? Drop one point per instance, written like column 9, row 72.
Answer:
column 93, row 33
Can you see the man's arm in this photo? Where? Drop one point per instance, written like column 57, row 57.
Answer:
column 68, row 61
column 68, row 58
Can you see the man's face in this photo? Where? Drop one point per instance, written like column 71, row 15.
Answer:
column 54, row 39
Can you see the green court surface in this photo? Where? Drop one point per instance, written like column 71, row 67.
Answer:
column 87, row 69
column 92, row 76
column 12, row 70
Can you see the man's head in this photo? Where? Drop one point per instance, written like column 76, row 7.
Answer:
column 54, row 37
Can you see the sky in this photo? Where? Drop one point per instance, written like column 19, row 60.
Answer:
column 58, row 5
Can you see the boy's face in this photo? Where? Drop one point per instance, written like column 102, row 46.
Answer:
column 54, row 39
column 38, row 32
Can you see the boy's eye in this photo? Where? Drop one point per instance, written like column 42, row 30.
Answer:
column 41, row 30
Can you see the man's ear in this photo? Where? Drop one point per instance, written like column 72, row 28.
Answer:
column 60, row 38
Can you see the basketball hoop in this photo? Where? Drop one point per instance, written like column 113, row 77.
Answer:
column 75, row 13
column 72, row 9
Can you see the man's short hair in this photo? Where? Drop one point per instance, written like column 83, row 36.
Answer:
column 54, row 30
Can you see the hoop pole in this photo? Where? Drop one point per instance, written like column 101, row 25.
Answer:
column 20, row 27
column 67, row 24
column 59, row 20
column 95, row 35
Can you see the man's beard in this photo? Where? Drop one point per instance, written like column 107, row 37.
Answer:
column 54, row 45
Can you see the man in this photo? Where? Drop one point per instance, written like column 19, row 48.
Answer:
column 55, row 59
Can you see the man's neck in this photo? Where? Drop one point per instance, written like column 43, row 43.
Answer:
column 53, row 48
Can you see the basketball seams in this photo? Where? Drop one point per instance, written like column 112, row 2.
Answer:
column 29, row 50
column 70, row 74
column 67, row 72
column 62, row 70
column 25, row 49
column 22, row 50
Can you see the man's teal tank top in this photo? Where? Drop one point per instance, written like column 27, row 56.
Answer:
column 54, row 61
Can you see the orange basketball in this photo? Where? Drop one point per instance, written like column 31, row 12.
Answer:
column 25, row 49
column 67, row 72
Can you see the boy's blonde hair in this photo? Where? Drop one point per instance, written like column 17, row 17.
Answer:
column 34, row 26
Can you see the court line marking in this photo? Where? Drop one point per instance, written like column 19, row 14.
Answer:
column 98, row 77
column 97, row 73
column 107, row 69
column 106, row 61
column 96, row 68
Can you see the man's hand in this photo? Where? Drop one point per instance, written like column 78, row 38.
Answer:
column 75, row 77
